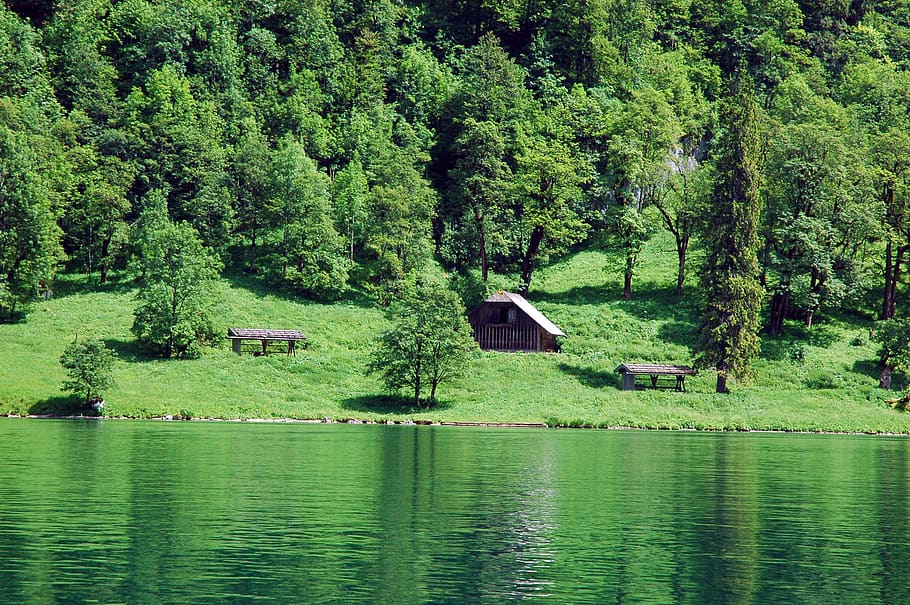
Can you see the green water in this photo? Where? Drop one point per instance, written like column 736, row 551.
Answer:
column 145, row 512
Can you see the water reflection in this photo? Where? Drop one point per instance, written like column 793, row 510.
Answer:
column 227, row 513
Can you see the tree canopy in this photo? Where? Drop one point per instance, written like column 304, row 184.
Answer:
column 328, row 147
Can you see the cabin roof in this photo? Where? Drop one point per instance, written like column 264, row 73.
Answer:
column 654, row 368
column 529, row 310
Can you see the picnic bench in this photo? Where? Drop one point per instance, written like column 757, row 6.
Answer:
column 265, row 337
column 655, row 372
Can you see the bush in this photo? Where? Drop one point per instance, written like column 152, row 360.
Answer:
column 797, row 353
column 822, row 379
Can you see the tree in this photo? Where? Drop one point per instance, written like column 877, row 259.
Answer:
column 551, row 172
column 430, row 343
column 892, row 170
column 29, row 235
column 646, row 134
column 480, row 180
column 308, row 252
column 894, row 336
column 174, row 316
column 728, row 332
column 350, row 195
column 94, row 221
column 688, row 186
column 90, row 367
column 177, row 142
column 32, row 169
column 489, row 109
column 877, row 94
column 250, row 168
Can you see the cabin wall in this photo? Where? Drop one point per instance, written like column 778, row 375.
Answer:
column 499, row 313
column 547, row 342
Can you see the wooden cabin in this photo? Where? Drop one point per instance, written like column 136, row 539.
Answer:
column 508, row 322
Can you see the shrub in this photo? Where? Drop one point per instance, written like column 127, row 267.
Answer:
column 822, row 379
column 797, row 353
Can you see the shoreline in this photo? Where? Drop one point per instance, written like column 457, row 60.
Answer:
column 453, row 423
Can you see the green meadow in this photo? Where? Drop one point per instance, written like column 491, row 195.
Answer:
column 819, row 380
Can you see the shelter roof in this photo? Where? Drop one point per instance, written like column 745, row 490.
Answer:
column 258, row 334
column 654, row 368
column 529, row 309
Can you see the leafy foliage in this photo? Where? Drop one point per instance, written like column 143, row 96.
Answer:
column 331, row 148
column 430, row 343
column 729, row 326
column 89, row 365
column 176, row 298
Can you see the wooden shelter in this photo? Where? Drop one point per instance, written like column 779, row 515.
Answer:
column 654, row 372
column 508, row 322
column 265, row 337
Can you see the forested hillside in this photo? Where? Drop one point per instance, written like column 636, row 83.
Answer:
column 324, row 146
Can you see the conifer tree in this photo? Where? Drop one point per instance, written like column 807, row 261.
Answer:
column 728, row 332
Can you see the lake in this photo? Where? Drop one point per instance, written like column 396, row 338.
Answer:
column 193, row 512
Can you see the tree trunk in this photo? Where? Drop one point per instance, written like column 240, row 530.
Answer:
column 417, row 390
column 888, row 303
column 627, row 276
column 722, row 383
column 884, row 381
column 780, row 303
column 484, row 260
column 527, row 265
column 893, row 261
column 105, row 261
column 252, row 251
column 682, row 245
column 482, row 236
column 896, row 278
column 351, row 240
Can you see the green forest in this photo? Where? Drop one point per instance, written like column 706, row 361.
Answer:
column 332, row 150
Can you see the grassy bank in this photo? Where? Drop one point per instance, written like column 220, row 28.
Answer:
column 822, row 380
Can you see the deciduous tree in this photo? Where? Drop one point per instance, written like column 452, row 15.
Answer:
column 176, row 297
column 430, row 342
column 89, row 365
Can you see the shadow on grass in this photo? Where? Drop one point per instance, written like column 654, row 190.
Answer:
column 127, row 350
column 73, row 283
column 389, row 404
column 262, row 288
column 790, row 344
column 873, row 369
column 649, row 300
column 777, row 348
column 678, row 333
column 596, row 379
column 582, row 295
column 62, row 405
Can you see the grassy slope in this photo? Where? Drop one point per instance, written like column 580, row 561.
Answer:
column 578, row 386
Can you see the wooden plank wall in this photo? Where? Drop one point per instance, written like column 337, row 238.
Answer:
column 508, row 338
